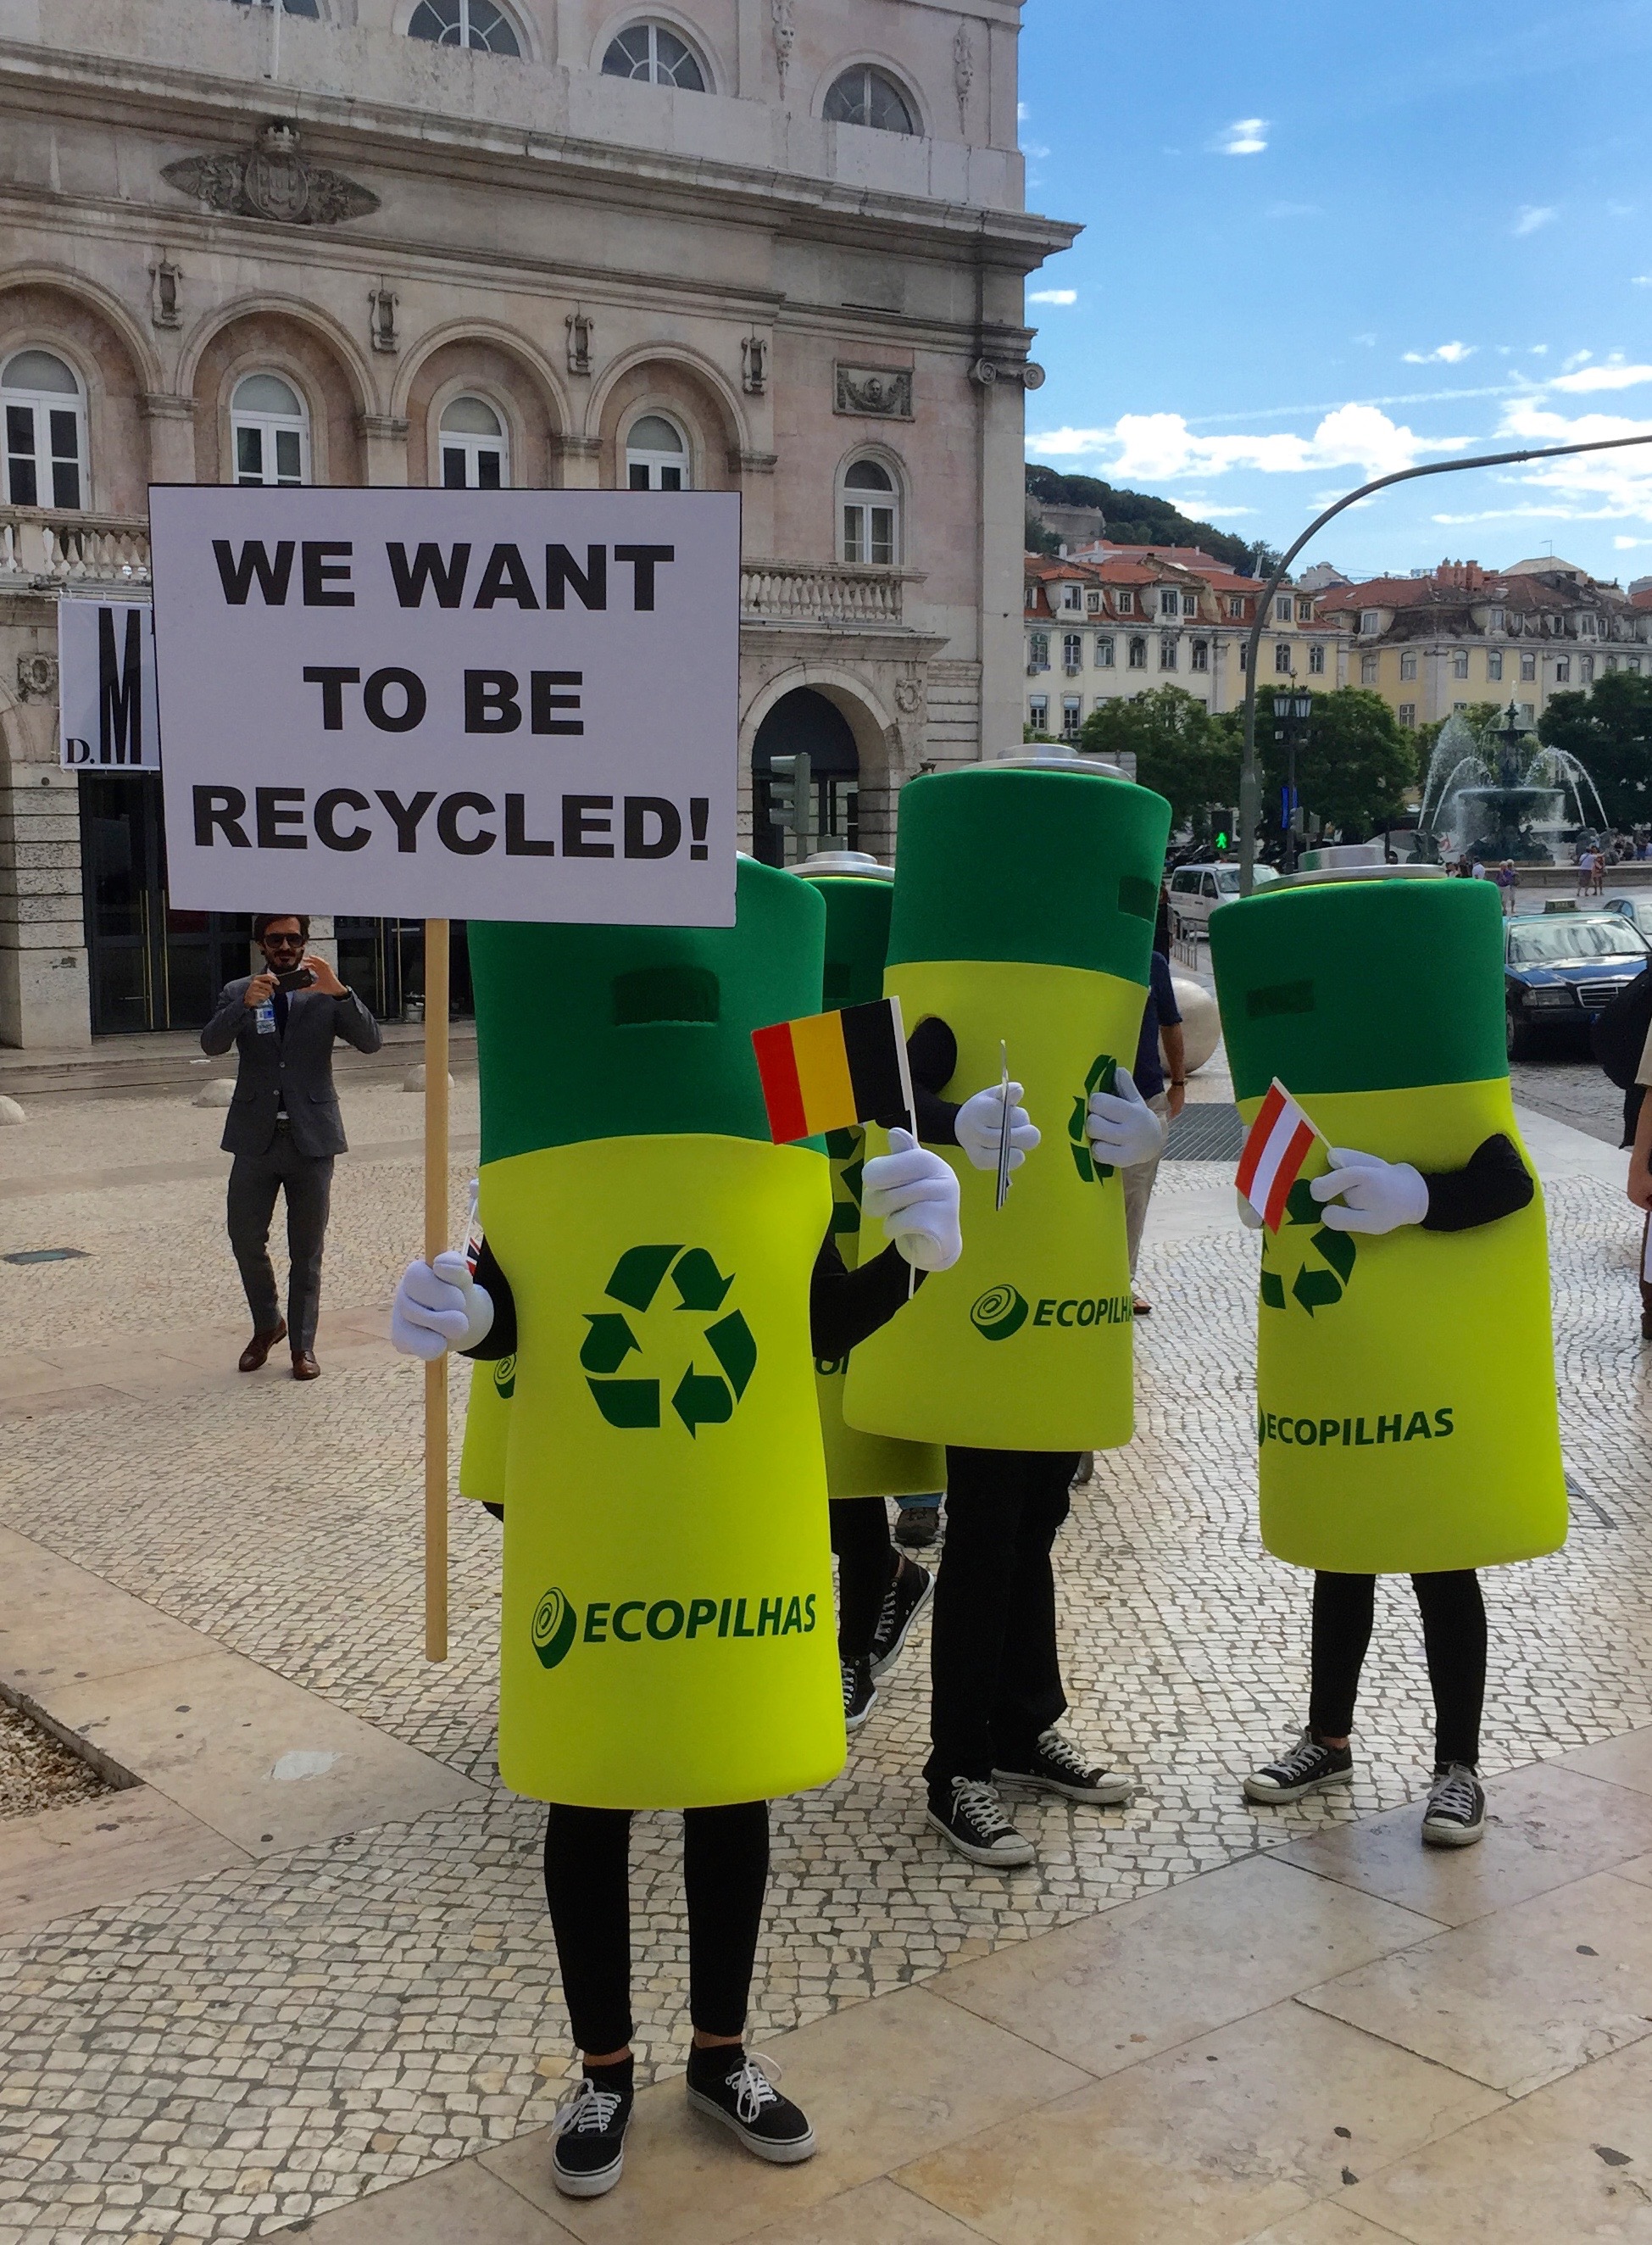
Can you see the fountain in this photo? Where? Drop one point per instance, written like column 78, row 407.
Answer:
column 1502, row 794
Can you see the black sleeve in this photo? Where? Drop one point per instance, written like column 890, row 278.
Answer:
column 932, row 1054
column 845, row 1306
column 500, row 1339
column 1495, row 1183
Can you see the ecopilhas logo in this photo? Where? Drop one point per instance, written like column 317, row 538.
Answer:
column 1000, row 1312
column 558, row 1621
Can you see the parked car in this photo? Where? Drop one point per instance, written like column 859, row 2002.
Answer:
column 1634, row 904
column 1196, row 891
column 1563, row 969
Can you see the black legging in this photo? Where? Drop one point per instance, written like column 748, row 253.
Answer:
column 587, row 1884
column 995, row 1674
column 1453, row 1637
column 866, row 1563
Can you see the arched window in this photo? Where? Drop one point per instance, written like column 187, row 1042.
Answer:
column 464, row 23
column 650, row 51
column 269, row 429
column 45, row 417
column 866, row 96
column 656, row 455
column 870, row 514
column 475, row 452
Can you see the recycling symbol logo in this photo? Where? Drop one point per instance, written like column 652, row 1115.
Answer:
column 846, row 1150
column 1324, row 1259
column 1103, row 1070
column 674, row 1295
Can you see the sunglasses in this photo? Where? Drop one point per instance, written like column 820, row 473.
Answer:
column 282, row 942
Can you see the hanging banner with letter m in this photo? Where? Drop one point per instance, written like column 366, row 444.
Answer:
column 449, row 704
column 106, row 713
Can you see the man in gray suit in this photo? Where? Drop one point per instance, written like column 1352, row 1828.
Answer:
column 283, row 1125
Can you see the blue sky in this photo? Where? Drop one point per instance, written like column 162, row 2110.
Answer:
column 1321, row 245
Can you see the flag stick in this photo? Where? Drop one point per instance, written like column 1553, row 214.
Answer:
column 435, row 1240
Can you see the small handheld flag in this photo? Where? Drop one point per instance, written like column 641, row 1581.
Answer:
column 1004, row 1127
column 830, row 1071
column 1275, row 1147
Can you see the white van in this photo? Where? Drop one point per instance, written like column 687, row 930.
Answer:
column 1196, row 891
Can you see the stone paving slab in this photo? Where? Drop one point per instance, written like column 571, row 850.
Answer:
column 67, row 1861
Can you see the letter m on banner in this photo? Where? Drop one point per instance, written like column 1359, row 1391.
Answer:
column 106, row 687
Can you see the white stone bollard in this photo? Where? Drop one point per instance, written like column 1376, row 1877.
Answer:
column 414, row 1080
column 217, row 1091
column 10, row 1111
column 1200, row 1020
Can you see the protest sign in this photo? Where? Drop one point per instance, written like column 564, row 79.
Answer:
column 502, row 705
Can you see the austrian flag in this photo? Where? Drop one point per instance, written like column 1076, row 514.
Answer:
column 1276, row 1145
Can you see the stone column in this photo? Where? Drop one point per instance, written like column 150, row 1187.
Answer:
column 171, row 437
column 45, row 995
column 383, row 447
column 581, row 461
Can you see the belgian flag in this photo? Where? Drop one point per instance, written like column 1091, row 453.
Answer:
column 830, row 1071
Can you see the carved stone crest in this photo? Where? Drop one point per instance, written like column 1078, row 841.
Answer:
column 883, row 391
column 272, row 181
column 36, row 677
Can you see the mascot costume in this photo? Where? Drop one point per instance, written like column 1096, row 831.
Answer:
column 1025, row 899
column 1406, row 1419
column 664, row 1277
column 880, row 1591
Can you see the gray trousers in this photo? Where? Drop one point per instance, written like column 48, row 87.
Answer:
column 1138, row 1185
column 254, row 1180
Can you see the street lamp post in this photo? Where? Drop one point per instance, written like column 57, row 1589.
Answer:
column 1250, row 785
column 1292, row 713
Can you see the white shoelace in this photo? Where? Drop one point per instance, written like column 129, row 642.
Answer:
column 1453, row 1794
column 1063, row 1753
column 753, row 2089
column 975, row 1798
column 587, row 2106
column 1297, row 1759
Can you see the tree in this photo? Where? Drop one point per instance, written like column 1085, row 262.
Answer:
column 1180, row 750
column 1609, row 731
column 1352, row 767
column 1138, row 518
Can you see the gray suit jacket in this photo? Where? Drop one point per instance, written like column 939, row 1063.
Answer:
column 296, row 1071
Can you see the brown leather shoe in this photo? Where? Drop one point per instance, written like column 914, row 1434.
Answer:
column 257, row 1350
column 304, row 1365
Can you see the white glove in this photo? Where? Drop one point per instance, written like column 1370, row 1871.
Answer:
column 439, row 1306
column 979, row 1121
column 914, row 1194
column 1375, row 1195
column 1121, row 1128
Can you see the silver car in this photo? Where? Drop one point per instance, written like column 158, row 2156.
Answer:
column 1196, row 891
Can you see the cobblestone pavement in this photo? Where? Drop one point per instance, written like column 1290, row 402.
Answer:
column 251, row 2048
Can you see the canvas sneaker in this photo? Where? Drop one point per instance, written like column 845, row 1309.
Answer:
column 1056, row 1766
column 969, row 1814
column 1308, row 1766
column 728, row 2086
column 1455, row 1816
column 589, row 2152
column 860, row 1693
column 909, row 1591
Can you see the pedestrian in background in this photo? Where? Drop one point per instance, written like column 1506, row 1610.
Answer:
column 1159, row 1016
column 1507, row 880
column 284, row 1126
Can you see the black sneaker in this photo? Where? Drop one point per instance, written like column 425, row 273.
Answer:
column 1455, row 1816
column 860, row 1693
column 909, row 1590
column 1056, row 1766
column 590, row 2131
column 917, row 1526
column 737, row 2090
column 970, row 1816
column 1306, row 1767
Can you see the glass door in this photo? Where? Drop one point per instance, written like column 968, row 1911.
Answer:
column 153, row 968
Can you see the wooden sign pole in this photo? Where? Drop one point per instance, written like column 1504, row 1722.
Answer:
column 436, row 1240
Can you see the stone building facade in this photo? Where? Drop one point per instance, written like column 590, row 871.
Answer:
column 769, row 246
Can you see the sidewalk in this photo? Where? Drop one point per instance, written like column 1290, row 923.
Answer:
column 353, row 2024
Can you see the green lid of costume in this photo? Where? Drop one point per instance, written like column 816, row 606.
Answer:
column 1361, row 986
column 856, row 938
column 1052, row 868
column 615, row 1032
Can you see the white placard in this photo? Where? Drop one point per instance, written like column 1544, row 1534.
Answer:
column 107, row 712
column 492, row 705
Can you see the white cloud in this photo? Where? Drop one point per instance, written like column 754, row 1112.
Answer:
column 1246, row 136
column 1627, row 544
column 1368, row 339
column 1614, row 375
column 1577, row 358
column 1157, row 446
column 1022, row 112
column 1053, row 296
column 1447, row 354
column 1594, row 487
column 1531, row 216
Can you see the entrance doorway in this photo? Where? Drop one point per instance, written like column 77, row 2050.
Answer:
column 804, row 723
column 153, row 968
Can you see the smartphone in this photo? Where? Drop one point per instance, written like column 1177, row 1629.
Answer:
column 296, row 978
